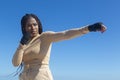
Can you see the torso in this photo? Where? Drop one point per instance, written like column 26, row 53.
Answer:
column 37, row 52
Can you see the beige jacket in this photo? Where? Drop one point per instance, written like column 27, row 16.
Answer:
column 36, row 54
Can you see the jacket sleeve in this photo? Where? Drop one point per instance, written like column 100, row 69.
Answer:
column 17, row 58
column 65, row 35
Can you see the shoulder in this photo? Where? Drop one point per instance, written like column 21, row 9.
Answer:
column 47, row 33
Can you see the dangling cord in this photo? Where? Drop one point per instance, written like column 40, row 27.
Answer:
column 17, row 72
column 14, row 74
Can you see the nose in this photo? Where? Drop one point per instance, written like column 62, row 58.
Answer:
column 32, row 27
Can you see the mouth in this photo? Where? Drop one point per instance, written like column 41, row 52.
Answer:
column 33, row 32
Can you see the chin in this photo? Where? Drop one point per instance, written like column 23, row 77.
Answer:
column 33, row 35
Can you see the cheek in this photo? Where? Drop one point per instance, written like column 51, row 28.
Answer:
column 28, row 28
column 37, row 29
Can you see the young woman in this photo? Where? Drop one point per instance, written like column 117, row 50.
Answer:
column 35, row 46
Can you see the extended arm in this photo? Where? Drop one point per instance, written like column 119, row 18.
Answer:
column 72, row 33
column 65, row 35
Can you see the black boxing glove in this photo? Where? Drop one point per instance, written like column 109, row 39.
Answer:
column 25, row 38
column 95, row 27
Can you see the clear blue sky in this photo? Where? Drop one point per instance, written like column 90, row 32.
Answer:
column 93, row 56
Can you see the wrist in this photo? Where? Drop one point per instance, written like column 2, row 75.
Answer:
column 21, row 47
column 91, row 28
column 95, row 27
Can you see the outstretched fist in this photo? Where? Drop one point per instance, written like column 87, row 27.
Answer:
column 97, row 27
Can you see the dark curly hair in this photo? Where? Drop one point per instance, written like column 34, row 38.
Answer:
column 25, row 19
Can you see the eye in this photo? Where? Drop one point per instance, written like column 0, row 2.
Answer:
column 35, row 24
column 28, row 25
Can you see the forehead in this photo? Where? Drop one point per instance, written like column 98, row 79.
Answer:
column 31, row 20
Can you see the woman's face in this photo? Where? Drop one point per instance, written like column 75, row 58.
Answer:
column 32, row 27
